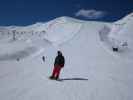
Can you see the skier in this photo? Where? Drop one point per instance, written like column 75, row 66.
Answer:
column 43, row 58
column 17, row 59
column 115, row 49
column 58, row 65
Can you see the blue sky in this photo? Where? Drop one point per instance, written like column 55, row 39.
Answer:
column 25, row 12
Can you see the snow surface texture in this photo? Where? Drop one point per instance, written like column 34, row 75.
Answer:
column 92, row 70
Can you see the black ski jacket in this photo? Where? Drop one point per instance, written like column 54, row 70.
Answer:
column 59, row 61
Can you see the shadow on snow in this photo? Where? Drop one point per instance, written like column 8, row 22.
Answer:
column 80, row 79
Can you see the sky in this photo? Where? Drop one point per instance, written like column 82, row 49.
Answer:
column 26, row 12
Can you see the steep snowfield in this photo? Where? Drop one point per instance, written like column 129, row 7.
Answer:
column 63, row 25
column 92, row 70
column 122, row 29
column 120, row 35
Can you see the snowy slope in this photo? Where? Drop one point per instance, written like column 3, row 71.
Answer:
column 120, row 35
column 122, row 29
column 92, row 70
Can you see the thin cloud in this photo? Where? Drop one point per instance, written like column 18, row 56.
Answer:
column 90, row 14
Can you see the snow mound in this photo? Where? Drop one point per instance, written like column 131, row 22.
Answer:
column 123, row 31
column 119, row 36
column 62, row 29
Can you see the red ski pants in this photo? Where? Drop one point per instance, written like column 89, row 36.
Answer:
column 56, row 71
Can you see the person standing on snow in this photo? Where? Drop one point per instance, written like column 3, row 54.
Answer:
column 58, row 65
column 43, row 58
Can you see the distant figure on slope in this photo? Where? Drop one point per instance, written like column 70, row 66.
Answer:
column 115, row 49
column 120, row 47
column 58, row 65
column 43, row 58
column 18, row 59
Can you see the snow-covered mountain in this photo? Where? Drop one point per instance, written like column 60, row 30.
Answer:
column 122, row 30
column 93, row 71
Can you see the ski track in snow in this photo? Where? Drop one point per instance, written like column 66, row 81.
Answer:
column 91, row 72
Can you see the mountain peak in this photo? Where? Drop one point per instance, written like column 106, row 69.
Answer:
column 67, row 19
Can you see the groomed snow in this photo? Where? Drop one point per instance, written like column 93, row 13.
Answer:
column 92, row 70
